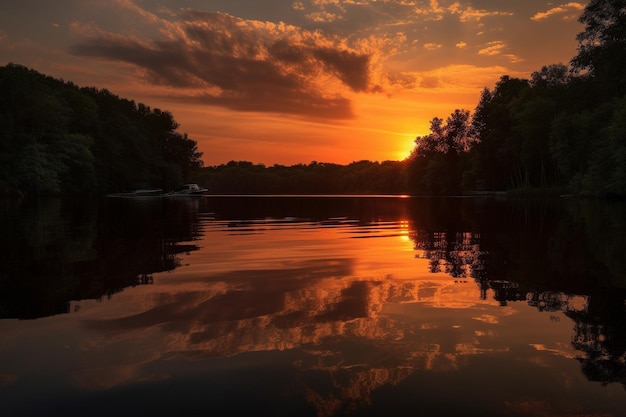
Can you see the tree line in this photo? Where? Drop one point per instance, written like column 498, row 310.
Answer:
column 58, row 138
column 362, row 177
column 563, row 129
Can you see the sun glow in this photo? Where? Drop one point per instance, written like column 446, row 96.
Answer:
column 408, row 144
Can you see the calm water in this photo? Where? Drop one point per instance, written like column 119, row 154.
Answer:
column 313, row 306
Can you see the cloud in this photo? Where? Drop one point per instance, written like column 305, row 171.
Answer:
column 568, row 11
column 492, row 48
column 245, row 65
column 432, row 46
column 514, row 59
column 453, row 77
column 325, row 17
column 470, row 14
column 431, row 12
column 435, row 11
column 328, row 11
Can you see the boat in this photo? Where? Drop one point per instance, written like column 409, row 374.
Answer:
column 188, row 190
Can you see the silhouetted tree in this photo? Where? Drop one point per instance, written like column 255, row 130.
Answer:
column 495, row 159
column 550, row 76
column 560, row 130
column 361, row 177
column 59, row 138
column 602, row 45
column 600, row 336
column 439, row 158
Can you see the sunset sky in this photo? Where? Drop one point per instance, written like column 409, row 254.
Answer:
column 292, row 81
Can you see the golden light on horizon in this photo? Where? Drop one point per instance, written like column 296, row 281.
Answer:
column 409, row 142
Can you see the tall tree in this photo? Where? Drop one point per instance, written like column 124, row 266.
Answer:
column 439, row 158
column 534, row 115
column 496, row 163
column 602, row 45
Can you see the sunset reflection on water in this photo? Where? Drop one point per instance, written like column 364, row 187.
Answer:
column 349, row 313
column 276, row 287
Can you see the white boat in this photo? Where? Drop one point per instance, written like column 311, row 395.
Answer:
column 188, row 190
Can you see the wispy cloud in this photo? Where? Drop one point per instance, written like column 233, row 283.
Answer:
column 465, row 13
column 567, row 11
column 492, row 48
column 470, row 14
column 514, row 59
column 456, row 77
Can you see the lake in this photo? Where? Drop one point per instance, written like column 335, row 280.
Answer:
column 313, row 306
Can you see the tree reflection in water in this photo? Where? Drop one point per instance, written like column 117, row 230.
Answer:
column 545, row 253
column 54, row 251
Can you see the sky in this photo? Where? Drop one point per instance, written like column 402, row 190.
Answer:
column 292, row 81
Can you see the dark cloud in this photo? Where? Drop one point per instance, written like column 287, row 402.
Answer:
column 245, row 65
column 349, row 67
column 293, row 102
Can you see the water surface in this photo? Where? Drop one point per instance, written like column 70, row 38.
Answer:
column 313, row 306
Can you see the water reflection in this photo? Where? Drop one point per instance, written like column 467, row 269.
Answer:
column 546, row 254
column 54, row 251
column 359, row 305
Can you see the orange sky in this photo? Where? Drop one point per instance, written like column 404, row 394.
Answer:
column 280, row 81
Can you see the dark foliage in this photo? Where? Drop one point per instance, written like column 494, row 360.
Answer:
column 436, row 165
column 59, row 138
column 563, row 130
column 363, row 177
